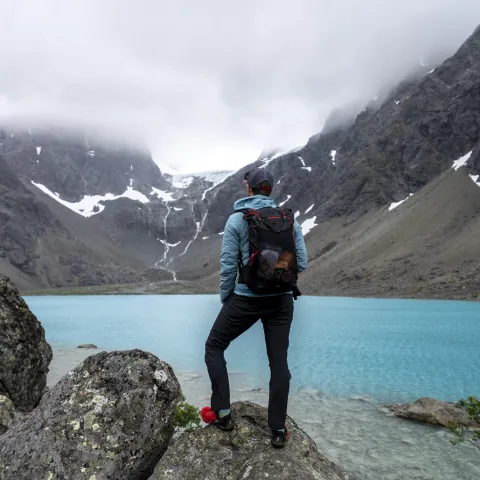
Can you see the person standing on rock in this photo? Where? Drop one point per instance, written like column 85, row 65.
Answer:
column 263, row 251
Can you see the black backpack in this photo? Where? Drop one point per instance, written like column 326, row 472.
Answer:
column 272, row 265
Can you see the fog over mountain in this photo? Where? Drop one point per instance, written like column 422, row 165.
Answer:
column 208, row 85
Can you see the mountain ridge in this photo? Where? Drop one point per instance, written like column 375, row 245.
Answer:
column 152, row 226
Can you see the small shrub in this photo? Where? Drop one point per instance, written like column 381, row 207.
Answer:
column 187, row 417
column 462, row 434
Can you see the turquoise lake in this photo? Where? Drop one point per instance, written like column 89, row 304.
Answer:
column 347, row 358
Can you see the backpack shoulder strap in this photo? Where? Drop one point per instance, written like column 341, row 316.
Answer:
column 287, row 212
column 248, row 213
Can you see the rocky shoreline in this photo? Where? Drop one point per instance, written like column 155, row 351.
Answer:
column 433, row 412
column 113, row 417
column 197, row 288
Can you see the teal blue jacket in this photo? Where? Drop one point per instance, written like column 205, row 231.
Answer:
column 235, row 240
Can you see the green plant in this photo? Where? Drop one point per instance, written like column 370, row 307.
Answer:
column 462, row 434
column 187, row 417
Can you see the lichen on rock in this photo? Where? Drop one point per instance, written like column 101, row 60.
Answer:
column 24, row 357
column 8, row 414
column 24, row 353
column 115, row 422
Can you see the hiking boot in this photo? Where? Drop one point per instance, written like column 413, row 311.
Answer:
column 212, row 418
column 225, row 423
column 279, row 438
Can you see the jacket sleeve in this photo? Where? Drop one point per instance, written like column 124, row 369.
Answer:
column 229, row 260
column 302, row 255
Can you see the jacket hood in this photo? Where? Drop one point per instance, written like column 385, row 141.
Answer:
column 255, row 202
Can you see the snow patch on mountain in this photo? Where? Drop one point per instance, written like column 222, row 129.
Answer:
column 397, row 204
column 39, row 150
column 185, row 180
column 308, row 169
column 285, row 201
column 476, row 179
column 333, row 154
column 92, row 204
column 181, row 181
column 309, row 209
column 269, row 159
column 461, row 161
column 215, row 177
column 266, row 162
column 162, row 194
column 308, row 224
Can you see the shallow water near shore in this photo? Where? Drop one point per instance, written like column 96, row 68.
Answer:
column 347, row 358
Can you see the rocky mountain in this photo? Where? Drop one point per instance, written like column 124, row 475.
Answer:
column 79, row 211
column 388, row 199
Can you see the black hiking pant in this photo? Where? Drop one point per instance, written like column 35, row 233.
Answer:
column 235, row 318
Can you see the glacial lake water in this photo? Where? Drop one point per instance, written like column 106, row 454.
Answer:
column 347, row 357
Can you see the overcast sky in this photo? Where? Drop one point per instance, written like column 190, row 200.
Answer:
column 211, row 83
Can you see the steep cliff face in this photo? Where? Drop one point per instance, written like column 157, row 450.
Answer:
column 392, row 151
column 350, row 179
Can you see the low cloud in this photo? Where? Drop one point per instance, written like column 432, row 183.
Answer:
column 210, row 84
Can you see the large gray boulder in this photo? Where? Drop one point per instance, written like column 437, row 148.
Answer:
column 245, row 453
column 433, row 411
column 110, row 418
column 24, row 353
